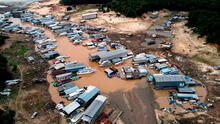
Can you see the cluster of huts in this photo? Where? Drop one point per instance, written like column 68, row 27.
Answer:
column 169, row 77
column 6, row 25
column 87, row 103
column 157, row 32
column 106, row 58
column 74, row 31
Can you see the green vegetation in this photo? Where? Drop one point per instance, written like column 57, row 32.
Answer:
column 5, row 74
column 87, row 8
column 8, row 70
column 3, row 37
column 203, row 59
column 7, row 117
column 135, row 8
column 206, row 23
column 204, row 16
column 22, row 51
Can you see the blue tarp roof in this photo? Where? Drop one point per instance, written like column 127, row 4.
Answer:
column 86, row 96
column 186, row 90
column 167, row 71
column 71, row 90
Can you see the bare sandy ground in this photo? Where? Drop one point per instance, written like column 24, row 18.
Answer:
column 107, row 20
column 48, row 7
column 186, row 42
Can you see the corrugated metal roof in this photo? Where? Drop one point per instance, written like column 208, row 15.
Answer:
column 95, row 106
column 97, row 53
column 109, row 54
column 113, row 53
column 186, row 90
column 184, row 95
column 168, row 78
column 87, row 95
column 65, row 86
column 71, row 107
column 71, row 90
column 160, row 66
column 74, row 66
column 63, row 75
column 59, row 66
column 94, row 13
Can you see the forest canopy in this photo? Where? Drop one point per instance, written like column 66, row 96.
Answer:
column 75, row 2
column 5, row 74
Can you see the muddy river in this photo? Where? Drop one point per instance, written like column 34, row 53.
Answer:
column 99, row 78
column 80, row 54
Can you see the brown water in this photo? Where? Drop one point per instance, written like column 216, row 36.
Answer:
column 99, row 78
column 81, row 54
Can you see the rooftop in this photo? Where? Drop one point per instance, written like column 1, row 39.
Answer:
column 168, row 78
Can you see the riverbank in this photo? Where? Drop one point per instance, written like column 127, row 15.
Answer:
column 31, row 94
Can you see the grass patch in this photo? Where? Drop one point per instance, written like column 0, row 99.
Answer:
column 3, row 37
column 14, row 92
column 12, row 61
column 84, row 9
column 203, row 59
column 22, row 51
column 218, row 50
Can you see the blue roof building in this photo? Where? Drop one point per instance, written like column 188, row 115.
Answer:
column 88, row 95
column 168, row 81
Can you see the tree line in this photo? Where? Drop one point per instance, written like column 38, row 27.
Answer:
column 5, row 74
column 2, row 38
column 204, row 15
column 75, row 2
